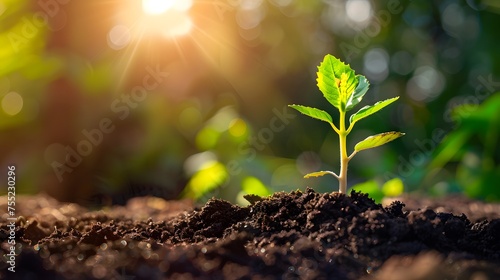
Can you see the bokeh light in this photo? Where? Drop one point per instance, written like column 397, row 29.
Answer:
column 376, row 64
column 359, row 11
column 426, row 84
column 238, row 127
column 12, row 103
column 119, row 37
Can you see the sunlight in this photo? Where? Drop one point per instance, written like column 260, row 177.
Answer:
column 156, row 7
column 150, row 18
column 140, row 25
column 165, row 17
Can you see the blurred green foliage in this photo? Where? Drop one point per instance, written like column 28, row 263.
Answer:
column 65, row 67
column 392, row 188
column 472, row 149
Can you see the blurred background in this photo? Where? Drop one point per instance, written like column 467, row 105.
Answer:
column 101, row 101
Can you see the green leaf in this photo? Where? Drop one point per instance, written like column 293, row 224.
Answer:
column 319, row 174
column 211, row 175
column 370, row 109
column 336, row 80
column 393, row 187
column 313, row 113
column 252, row 185
column 377, row 140
column 449, row 149
column 359, row 92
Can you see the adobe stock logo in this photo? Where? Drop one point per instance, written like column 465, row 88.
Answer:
column 72, row 157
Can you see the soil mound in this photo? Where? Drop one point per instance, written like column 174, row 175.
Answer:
column 297, row 235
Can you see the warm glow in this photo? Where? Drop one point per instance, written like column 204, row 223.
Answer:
column 156, row 7
column 140, row 26
column 164, row 18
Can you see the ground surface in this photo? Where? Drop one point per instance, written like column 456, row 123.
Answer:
column 298, row 235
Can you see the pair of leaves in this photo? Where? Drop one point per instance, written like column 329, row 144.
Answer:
column 344, row 90
column 339, row 84
column 361, row 114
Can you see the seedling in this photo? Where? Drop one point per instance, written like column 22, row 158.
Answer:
column 344, row 90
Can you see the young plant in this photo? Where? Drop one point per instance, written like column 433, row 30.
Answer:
column 344, row 90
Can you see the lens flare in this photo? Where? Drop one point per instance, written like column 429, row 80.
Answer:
column 156, row 7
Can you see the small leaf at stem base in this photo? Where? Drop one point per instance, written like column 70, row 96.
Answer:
column 320, row 173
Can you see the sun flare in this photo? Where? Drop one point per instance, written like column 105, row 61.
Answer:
column 150, row 18
column 156, row 7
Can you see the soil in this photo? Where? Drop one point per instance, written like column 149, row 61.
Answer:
column 297, row 235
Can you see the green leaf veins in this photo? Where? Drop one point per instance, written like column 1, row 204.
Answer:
column 313, row 113
column 377, row 140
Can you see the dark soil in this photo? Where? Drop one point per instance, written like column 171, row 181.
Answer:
column 298, row 235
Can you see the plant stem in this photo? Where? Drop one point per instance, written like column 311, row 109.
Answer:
column 344, row 159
